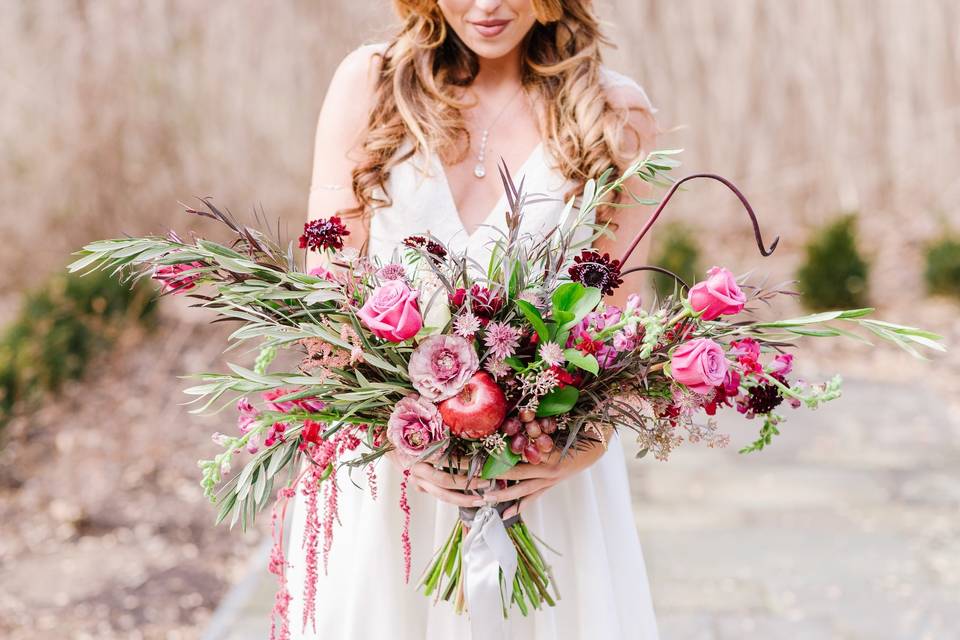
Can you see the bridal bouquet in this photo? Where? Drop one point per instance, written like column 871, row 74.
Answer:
column 474, row 368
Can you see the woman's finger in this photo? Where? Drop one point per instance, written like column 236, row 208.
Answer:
column 443, row 479
column 519, row 490
column 446, row 495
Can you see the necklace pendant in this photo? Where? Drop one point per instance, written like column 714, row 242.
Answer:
column 479, row 170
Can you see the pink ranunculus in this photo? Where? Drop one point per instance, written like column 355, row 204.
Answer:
column 718, row 295
column 173, row 277
column 699, row 364
column 441, row 366
column 391, row 312
column 415, row 425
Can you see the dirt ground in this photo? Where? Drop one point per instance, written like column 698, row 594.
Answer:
column 105, row 531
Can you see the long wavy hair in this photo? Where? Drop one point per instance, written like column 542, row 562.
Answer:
column 425, row 65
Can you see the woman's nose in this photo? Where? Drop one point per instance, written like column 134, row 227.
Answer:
column 488, row 6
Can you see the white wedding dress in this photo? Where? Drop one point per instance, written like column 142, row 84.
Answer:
column 588, row 518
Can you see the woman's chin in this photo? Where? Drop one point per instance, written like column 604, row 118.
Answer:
column 491, row 50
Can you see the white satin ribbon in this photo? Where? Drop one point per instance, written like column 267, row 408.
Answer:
column 487, row 550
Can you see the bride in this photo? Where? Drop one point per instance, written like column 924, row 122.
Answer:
column 408, row 142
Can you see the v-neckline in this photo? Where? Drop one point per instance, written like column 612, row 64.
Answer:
column 501, row 201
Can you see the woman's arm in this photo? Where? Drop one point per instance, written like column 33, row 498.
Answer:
column 340, row 129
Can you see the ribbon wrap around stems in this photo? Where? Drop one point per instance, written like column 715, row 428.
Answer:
column 488, row 551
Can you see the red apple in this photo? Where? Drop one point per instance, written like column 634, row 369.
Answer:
column 478, row 410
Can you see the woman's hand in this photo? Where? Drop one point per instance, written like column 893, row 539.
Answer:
column 534, row 479
column 444, row 486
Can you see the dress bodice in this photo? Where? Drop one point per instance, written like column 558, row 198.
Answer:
column 422, row 201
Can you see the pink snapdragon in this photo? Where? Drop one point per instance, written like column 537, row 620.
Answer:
column 175, row 277
column 782, row 365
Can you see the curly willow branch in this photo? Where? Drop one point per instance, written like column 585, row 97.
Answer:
column 650, row 267
column 746, row 205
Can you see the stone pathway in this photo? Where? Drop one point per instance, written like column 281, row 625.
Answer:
column 847, row 528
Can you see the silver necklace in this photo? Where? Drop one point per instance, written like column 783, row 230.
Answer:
column 480, row 171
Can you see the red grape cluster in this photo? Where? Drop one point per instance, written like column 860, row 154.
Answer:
column 530, row 436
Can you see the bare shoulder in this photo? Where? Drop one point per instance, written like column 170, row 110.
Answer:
column 356, row 75
column 349, row 99
column 625, row 94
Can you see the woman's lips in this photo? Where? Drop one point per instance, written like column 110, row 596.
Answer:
column 490, row 28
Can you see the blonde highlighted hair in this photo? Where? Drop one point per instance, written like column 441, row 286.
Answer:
column 425, row 64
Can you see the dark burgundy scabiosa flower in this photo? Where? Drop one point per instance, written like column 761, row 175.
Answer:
column 324, row 234
column 594, row 270
column 763, row 398
column 432, row 247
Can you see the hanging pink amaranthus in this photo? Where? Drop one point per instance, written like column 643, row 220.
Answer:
column 280, row 615
column 311, row 536
column 372, row 481
column 405, row 535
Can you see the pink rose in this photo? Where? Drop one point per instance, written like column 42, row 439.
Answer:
column 718, row 295
column 415, row 425
column 441, row 366
column 391, row 312
column 699, row 364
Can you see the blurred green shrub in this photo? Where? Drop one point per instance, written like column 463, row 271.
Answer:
column 943, row 266
column 60, row 327
column 677, row 251
column 834, row 273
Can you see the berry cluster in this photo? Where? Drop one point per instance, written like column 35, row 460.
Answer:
column 530, row 436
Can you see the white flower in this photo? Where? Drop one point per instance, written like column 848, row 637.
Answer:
column 552, row 354
column 437, row 312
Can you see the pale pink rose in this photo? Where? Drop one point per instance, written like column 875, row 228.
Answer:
column 699, row 364
column 415, row 425
column 718, row 295
column 441, row 366
column 391, row 312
